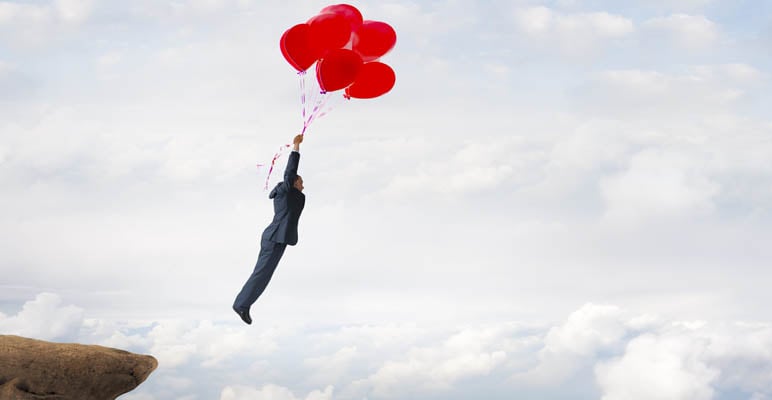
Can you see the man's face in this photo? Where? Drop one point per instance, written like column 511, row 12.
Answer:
column 299, row 183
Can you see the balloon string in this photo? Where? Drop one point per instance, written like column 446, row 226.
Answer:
column 315, row 91
column 318, row 106
column 318, row 111
column 302, row 75
column 307, row 92
column 336, row 100
column 273, row 162
column 323, row 102
column 323, row 107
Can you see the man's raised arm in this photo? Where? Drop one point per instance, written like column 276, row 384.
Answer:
column 291, row 172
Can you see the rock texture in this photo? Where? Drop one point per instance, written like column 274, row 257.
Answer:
column 34, row 369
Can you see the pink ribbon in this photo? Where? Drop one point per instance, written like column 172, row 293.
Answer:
column 321, row 108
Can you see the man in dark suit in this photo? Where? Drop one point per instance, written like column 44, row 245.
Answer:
column 288, row 203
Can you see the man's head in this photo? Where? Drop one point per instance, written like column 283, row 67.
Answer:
column 298, row 183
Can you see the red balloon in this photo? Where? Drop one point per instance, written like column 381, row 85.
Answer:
column 374, row 79
column 373, row 39
column 338, row 69
column 328, row 31
column 296, row 47
column 349, row 12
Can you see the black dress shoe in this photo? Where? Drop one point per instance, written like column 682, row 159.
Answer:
column 244, row 314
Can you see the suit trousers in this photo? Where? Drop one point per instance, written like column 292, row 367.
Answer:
column 267, row 260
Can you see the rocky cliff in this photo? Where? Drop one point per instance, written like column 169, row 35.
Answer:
column 34, row 369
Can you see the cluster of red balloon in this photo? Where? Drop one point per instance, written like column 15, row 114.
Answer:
column 346, row 50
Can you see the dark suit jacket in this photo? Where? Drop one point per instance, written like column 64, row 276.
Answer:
column 288, row 203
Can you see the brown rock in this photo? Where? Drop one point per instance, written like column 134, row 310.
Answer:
column 34, row 369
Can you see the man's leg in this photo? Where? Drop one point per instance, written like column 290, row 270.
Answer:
column 270, row 254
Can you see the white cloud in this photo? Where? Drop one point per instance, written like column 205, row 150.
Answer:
column 376, row 338
column 109, row 59
column 473, row 166
column 167, row 347
column 138, row 396
column 74, row 11
column 12, row 83
column 272, row 392
column 633, row 356
column 208, row 5
column 587, row 331
column 688, row 31
column 649, row 82
column 466, row 354
column 176, row 383
column 423, row 23
column 177, row 342
column 745, row 363
column 23, row 24
column 668, row 366
column 120, row 340
column 216, row 344
column 737, row 73
column 429, row 370
column 189, row 10
column 599, row 24
column 535, row 20
column 500, row 71
column 592, row 145
column 573, row 33
column 696, row 89
column 645, row 357
column 44, row 318
column 333, row 367
column 659, row 184
column 682, row 4
column 465, row 179
column 12, row 12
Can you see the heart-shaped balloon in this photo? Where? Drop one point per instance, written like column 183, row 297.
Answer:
column 374, row 79
column 296, row 47
column 338, row 69
column 349, row 12
column 328, row 31
column 373, row 39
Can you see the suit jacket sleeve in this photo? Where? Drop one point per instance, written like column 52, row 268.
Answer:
column 291, row 172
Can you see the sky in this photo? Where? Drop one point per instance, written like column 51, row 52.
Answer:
column 558, row 199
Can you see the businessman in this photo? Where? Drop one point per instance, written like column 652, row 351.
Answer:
column 288, row 203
